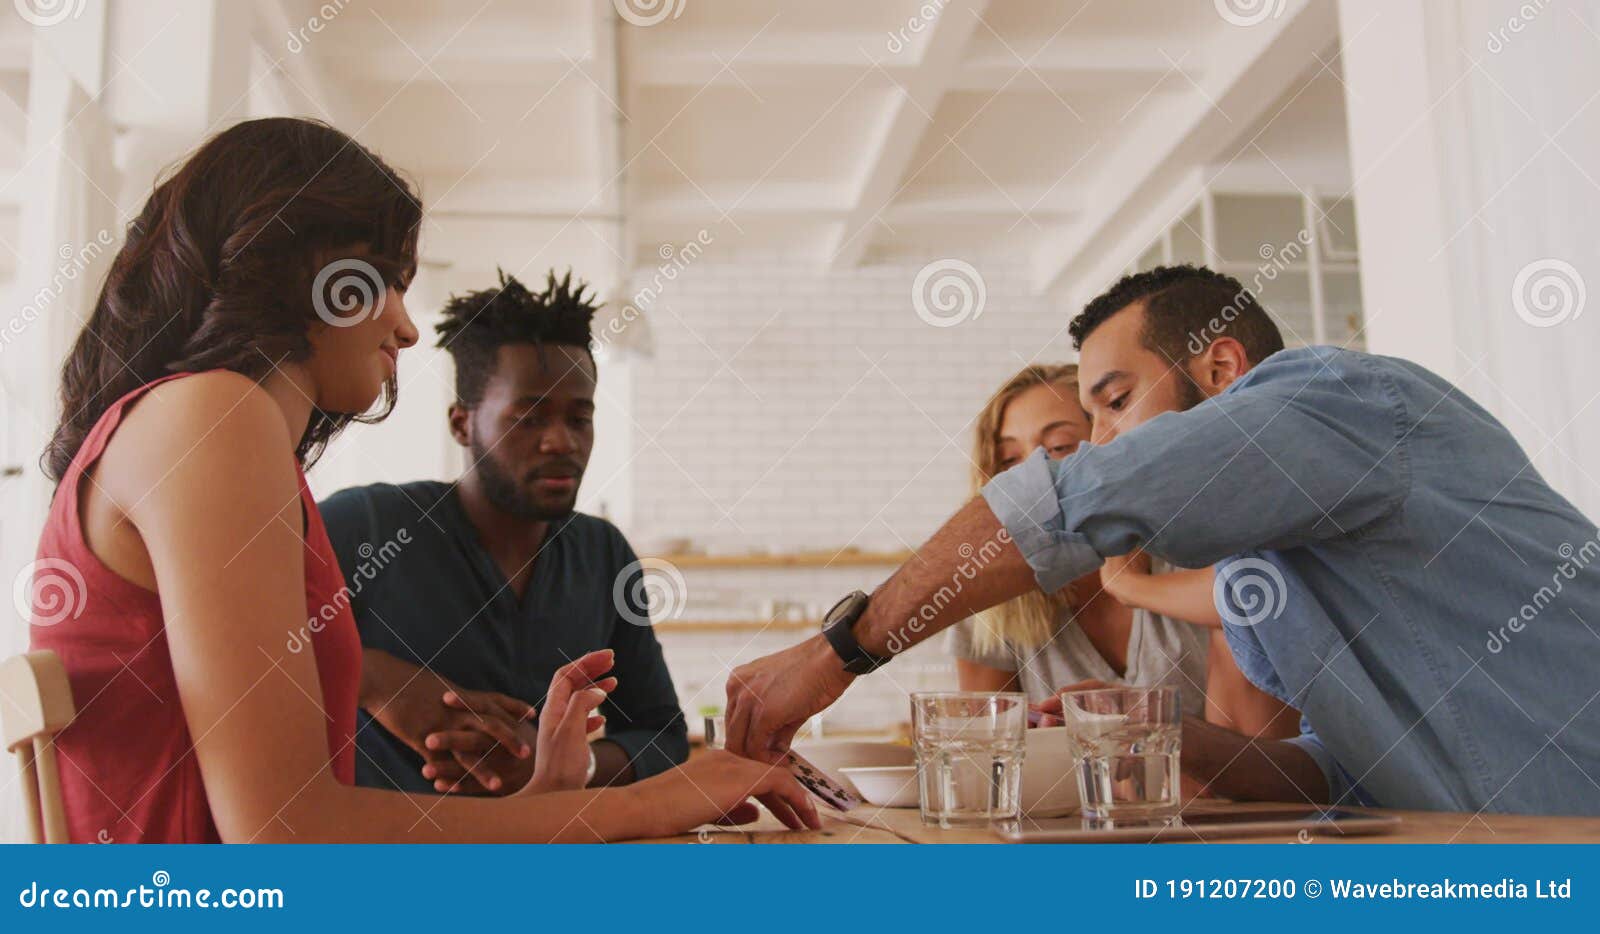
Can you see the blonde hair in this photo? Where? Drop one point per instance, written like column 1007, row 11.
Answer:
column 1029, row 621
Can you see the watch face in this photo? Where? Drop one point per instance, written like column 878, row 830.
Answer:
column 833, row 614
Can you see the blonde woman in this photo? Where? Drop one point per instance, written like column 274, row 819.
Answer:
column 1040, row 643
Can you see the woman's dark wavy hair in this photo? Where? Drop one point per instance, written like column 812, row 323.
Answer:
column 217, row 271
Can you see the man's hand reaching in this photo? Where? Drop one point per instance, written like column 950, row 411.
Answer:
column 770, row 698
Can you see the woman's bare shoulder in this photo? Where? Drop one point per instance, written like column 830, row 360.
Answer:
column 205, row 424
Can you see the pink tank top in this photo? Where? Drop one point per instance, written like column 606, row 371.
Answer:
column 128, row 768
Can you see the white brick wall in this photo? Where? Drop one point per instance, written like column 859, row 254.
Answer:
column 792, row 409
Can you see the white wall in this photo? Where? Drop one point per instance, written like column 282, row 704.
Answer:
column 1472, row 135
column 787, row 409
column 790, row 408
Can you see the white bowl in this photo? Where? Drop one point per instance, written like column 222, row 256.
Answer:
column 834, row 755
column 887, row 786
column 1049, row 782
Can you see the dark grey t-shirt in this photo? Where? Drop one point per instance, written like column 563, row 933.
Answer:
column 424, row 590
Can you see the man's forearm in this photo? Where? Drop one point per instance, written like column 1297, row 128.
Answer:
column 611, row 764
column 1235, row 766
column 381, row 675
column 970, row 564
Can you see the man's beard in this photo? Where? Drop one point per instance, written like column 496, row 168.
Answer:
column 1189, row 394
column 506, row 494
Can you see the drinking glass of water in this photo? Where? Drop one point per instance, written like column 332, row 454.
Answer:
column 969, row 756
column 1125, row 741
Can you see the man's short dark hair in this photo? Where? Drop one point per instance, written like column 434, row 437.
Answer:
column 476, row 325
column 1185, row 309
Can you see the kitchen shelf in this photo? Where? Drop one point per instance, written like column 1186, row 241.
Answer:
column 738, row 625
column 802, row 559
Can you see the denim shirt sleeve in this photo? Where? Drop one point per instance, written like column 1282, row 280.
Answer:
column 1305, row 447
column 1342, row 789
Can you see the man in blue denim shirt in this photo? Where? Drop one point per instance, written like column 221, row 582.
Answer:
column 1390, row 561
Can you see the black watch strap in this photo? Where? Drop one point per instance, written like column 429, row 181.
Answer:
column 838, row 627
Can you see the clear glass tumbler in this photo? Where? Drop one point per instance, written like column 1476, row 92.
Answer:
column 1126, row 743
column 716, row 731
column 969, row 756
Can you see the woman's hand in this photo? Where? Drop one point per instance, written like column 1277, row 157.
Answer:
column 1049, row 709
column 566, row 721
column 716, row 788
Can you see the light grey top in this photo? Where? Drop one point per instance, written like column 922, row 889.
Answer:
column 1160, row 651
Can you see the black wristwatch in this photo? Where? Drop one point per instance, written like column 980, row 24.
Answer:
column 838, row 629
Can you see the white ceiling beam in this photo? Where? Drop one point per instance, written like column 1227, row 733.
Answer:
column 830, row 201
column 913, row 110
column 1068, row 66
column 1072, row 65
column 981, row 204
column 301, row 79
column 1251, row 67
column 513, row 66
column 528, row 197
column 770, row 198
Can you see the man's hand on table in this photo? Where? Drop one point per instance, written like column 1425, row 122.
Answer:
column 770, row 698
column 470, row 761
column 415, row 704
column 479, row 764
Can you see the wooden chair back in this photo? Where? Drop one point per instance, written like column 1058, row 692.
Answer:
column 35, row 705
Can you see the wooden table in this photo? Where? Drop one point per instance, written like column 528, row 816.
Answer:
column 904, row 825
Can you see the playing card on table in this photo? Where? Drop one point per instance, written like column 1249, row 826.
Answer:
column 819, row 783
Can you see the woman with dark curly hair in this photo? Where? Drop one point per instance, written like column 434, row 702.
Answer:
column 257, row 307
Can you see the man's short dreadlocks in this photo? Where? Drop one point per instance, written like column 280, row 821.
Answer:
column 477, row 324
